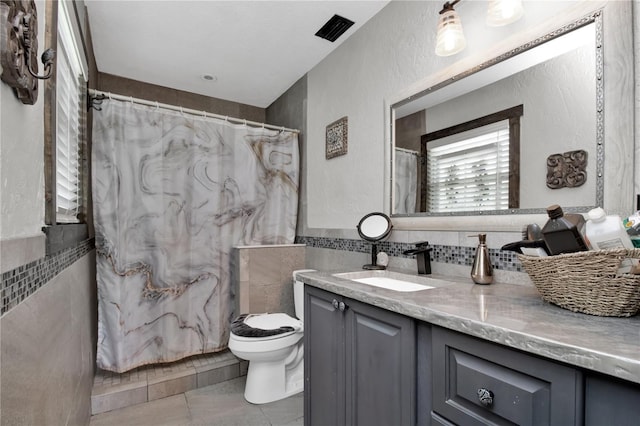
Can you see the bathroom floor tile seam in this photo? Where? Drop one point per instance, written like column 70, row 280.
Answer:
column 114, row 391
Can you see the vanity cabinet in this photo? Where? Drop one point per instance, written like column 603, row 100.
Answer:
column 476, row 382
column 360, row 366
column 610, row 401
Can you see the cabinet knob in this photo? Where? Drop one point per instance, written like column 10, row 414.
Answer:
column 335, row 304
column 342, row 306
column 485, row 396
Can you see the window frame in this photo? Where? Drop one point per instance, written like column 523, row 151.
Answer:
column 513, row 116
column 60, row 236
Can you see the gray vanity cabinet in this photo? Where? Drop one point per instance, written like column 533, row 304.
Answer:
column 476, row 382
column 610, row 401
column 359, row 363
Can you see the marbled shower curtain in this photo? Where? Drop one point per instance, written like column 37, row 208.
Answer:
column 406, row 181
column 172, row 194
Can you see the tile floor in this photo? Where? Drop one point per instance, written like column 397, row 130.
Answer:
column 112, row 391
column 222, row 404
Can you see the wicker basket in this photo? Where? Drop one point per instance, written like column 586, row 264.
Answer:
column 587, row 281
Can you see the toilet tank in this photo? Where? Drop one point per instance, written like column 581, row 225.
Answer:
column 298, row 293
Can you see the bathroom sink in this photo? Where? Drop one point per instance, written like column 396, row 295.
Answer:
column 393, row 280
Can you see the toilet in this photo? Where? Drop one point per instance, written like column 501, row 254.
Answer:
column 272, row 343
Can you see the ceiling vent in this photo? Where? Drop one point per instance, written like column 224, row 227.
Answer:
column 334, row 28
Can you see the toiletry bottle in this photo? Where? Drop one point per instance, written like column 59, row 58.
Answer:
column 561, row 233
column 607, row 232
column 482, row 271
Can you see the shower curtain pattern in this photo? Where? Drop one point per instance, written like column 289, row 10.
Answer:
column 172, row 194
column 406, row 181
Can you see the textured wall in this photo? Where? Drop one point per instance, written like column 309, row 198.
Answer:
column 22, row 159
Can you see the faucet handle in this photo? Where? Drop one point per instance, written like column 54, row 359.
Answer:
column 421, row 244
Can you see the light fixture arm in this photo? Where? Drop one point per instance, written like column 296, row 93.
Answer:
column 448, row 6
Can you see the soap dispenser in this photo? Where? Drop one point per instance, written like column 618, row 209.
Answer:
column 482, row 271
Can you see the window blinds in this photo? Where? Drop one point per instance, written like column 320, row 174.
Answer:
column 470, row 171
column 69, row 113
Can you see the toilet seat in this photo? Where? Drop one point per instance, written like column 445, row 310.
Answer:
column 261, row 327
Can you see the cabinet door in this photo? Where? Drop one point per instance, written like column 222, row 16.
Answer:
column 380, row 353
column 324, row 388
column 611, row 402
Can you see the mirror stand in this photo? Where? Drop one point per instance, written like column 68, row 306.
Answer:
column 374, row 259
column 374, row 227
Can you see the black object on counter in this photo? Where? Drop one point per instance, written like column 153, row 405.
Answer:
column 562, row 232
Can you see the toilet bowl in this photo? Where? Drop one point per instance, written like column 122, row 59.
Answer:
column 272, row 343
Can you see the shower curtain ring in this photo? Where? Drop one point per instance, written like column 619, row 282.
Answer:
column 204, row 113
column 110, row 96
column 157, row 106
column 131, row 99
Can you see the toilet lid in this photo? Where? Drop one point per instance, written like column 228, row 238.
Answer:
column 264, row 325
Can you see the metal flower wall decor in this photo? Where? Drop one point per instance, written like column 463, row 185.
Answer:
column 19, row 49
column 567, row 170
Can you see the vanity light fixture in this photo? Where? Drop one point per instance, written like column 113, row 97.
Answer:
column 450, row 39
column 504, row 12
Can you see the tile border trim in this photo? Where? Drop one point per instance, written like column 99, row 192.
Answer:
column 21, row 282
column 457, row 255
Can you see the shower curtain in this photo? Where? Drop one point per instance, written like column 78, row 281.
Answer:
column 406, row 180
column 172, row 194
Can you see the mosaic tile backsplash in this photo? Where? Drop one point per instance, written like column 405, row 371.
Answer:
column 19, row 283
column 457, row 255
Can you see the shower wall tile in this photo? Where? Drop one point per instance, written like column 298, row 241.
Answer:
column 118, row 397
column 48, row 350
column 262, row 277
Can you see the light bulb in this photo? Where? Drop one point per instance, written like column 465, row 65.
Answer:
column 504, row 12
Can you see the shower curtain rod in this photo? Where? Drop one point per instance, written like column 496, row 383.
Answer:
column 98, row 95
column 408, row 151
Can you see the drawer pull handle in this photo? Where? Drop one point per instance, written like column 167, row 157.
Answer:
column 335, row 304
column 485, row 396
column 342, row 307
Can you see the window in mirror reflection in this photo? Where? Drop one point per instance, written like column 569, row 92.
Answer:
column 468, row 172
column 471, row 166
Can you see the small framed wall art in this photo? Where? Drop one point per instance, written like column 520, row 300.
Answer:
column 337, row 138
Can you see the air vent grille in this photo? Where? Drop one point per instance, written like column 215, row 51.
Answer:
column 334, row 28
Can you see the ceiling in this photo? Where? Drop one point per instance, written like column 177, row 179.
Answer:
column 255, row 50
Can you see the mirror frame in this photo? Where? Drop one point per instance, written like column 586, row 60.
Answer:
column 613, row 125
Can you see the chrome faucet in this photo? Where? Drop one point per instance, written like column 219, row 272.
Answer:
column 423, row 256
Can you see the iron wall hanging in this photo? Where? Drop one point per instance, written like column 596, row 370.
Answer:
column 568, row 170
column 19, row 49
column 337, row 138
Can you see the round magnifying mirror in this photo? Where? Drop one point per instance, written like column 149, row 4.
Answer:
column 374, row 227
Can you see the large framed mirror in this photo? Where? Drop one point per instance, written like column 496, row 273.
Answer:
column 512, row 135
column 611, row 151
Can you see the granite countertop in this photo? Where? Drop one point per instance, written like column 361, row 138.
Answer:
column 512, row 315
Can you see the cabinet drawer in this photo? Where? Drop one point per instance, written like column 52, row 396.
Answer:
column 478, row 382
